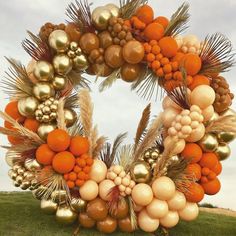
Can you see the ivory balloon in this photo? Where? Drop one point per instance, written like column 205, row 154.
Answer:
column 203, row 96
column 170, row 220
column 177, row 202
column 163, row 188
column 142, row 194
column 104, row 189
column 89, row 190
column 98, row 171
column 157, row 209
column 190, row 212
column 208, row 113
column 146, row 223
column 169, row 103
column 168, row 116
column 197, row 134
column 178, row 147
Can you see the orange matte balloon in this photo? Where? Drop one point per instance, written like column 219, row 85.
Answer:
column 212, row 187
column 12, row 110
column 31, row 124
column 44, row 155
column 79, row 145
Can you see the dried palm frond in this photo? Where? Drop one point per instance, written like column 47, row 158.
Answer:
column 114, row 198
column 222, row 124
column 152, row 133
column 37, row 48
column 17, row 83
column 110, row 80
column 216, row 55
column 125, row 156
column 77, row 129
column 94, row 137
column 80, row 14
column 71, row 101
column 175, row 168
column 86, row 111
column 77, row 80
column 132, row 214
column 142, row 125
column 105, row 154
column 183, row 181
column 61, row 123
column 99, row 146
column 129, row 7
column 178, row 21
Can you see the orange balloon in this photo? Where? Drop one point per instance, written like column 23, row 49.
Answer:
column 154, row 31
column 212, row 187
column 44, row 155
column 209, row 160
column 145, row 14
column 162, row 20
column 218, row 168
column 169, row 47
column 31, row 124
column 192, row 152
column 12, row 110
column 14, row 140
column 195, row 193
column 192, row 63
column 199, row 80
column 79, row 145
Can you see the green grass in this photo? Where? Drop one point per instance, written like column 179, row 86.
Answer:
column 20, row 215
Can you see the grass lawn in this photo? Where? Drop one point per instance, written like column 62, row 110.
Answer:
column 20, row 215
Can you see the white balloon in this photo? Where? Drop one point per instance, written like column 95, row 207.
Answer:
column 98, row 171
column 157, row 209
column 168, row 116
column 146, row 223
column 178, row 147
column 190, row 212
column 177, row 202
column 142, row 194
column 208, row 113
column 197, row 134
column 89, row 190
column 170, row 220
column 169, row 103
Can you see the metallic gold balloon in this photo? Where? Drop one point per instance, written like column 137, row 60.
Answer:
column 48, row 206
column 21, row 171
column 59, row 82
column 147, row 154
column 80, row 62
column 43, row 71
column 25, row 185
column 209, row 143
column 16, row 167
column 59, row 196
column 12, row 174
column 102, row 70
column 70, row 117
column 150, row 161
column 155, row 154
column 100, row 18
column 62, row 64
column 16, row 184
column 226, row 137
column 43, row 91
column 45, row 129
column 59, row 40
column 214, row 117
column 39, row 192
column 140, row 172
column 105, row 39
column 19, row 179
column 78, row 204
column 32, row 164
column 114, row 10
column 65, row 215
column 27, row 106
column 223, row 151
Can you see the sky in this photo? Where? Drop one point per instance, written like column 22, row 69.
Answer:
column 118, row 109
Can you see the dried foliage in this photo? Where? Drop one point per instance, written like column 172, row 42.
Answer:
column 76, row 129
column 216, row 55
column 61, row 123
column 110, row 80
column 178, row 21
column 71, row 101
column 99, row 146
column 125, row 156
column 132, row 214
column 114, row 198
column 77, row 80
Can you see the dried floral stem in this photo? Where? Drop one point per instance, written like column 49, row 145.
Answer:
column 61, row 123
column 132, row 214
column 125, row 156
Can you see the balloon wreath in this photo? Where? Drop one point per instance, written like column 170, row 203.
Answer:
column 174, row 160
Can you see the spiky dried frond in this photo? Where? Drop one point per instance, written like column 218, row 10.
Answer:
column 105, row 154
column 71, row 101
column 125, row 156
column 80, row 14
column 98, row 147
column 76, row 80
column 216, row 54
column 178, row 21
column 110, row 80
column 143, row 123
column 76, row 129
column 61, row 123
column 129, row 7
column 114, row 198
column 132, row 214
column 17, row 84
column 37, row 48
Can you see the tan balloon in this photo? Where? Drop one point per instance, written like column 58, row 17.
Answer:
column 190, row 212
column 113, row 56
column 168, row 116
column 163, row 188
column 98, row 171
column 179, row 146
column 208, row 113
column 157, row 209
column 142, row 194
column 197, row 134
column 177, row 202
column 146, row 223
column 169, row 103
column 104, row 189
column 138, row 208
column 89, row 190
column 170, row 220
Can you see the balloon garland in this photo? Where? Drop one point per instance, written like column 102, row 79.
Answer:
column 175, row 159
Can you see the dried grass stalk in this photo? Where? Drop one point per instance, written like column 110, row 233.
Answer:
column 61, row 123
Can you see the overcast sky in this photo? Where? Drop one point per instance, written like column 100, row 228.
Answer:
column 118, row 109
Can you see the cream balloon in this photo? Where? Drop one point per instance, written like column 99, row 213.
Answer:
column 170, row 220
column 146, row 223
column 98, row 171
column 203, row 96
column 190, row 212
column 197, row 134
column 89, row 190
column 142, row 194
column 168, row 116
column 163, row 188
column 104, row 189
column 178, row 147
column 138, row 208
column 157, row 209
column 169, row 103
column 208, row 113
column 177, row 202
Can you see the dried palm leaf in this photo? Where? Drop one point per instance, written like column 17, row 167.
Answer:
column 129, row 7
column 178, row 21
column 132, row 214
column 114, row 198
column 61, row 123
column 36, row 48
column 105, row 154
column 142, row 125
column 80, row 14
column 71, row 101
column 110, row 80
column 216, row 55
column 76, row 129
column 99, row 146
column 125, row 156
column 17, row 83
column 77, row 80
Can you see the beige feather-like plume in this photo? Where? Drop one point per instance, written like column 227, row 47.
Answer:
column 61, row 123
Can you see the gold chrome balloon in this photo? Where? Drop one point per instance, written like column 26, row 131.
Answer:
column 214, row 117
column 12, row 174
column 223, row 151
column 140, row 172
column 48, row 206
column 43, row 71
column 16, row 167
column 16, row 184
column 21, row 171
column 27, row 106
column 58, row 196
column 78, row 204
column 209, row 142
column 32, row 164
column 59, row 82
column 45, row 129
column 62, row 64
column 43, row 90
column 28, row 175
column 100, row 18
column 65, row 215
column 226, row 137
column 147, row 154
column 155, row 154
column 19, row 179
column 25, row 185
column 114, row 10
column 80, row 62
column 70, row 117
column 59, row 40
